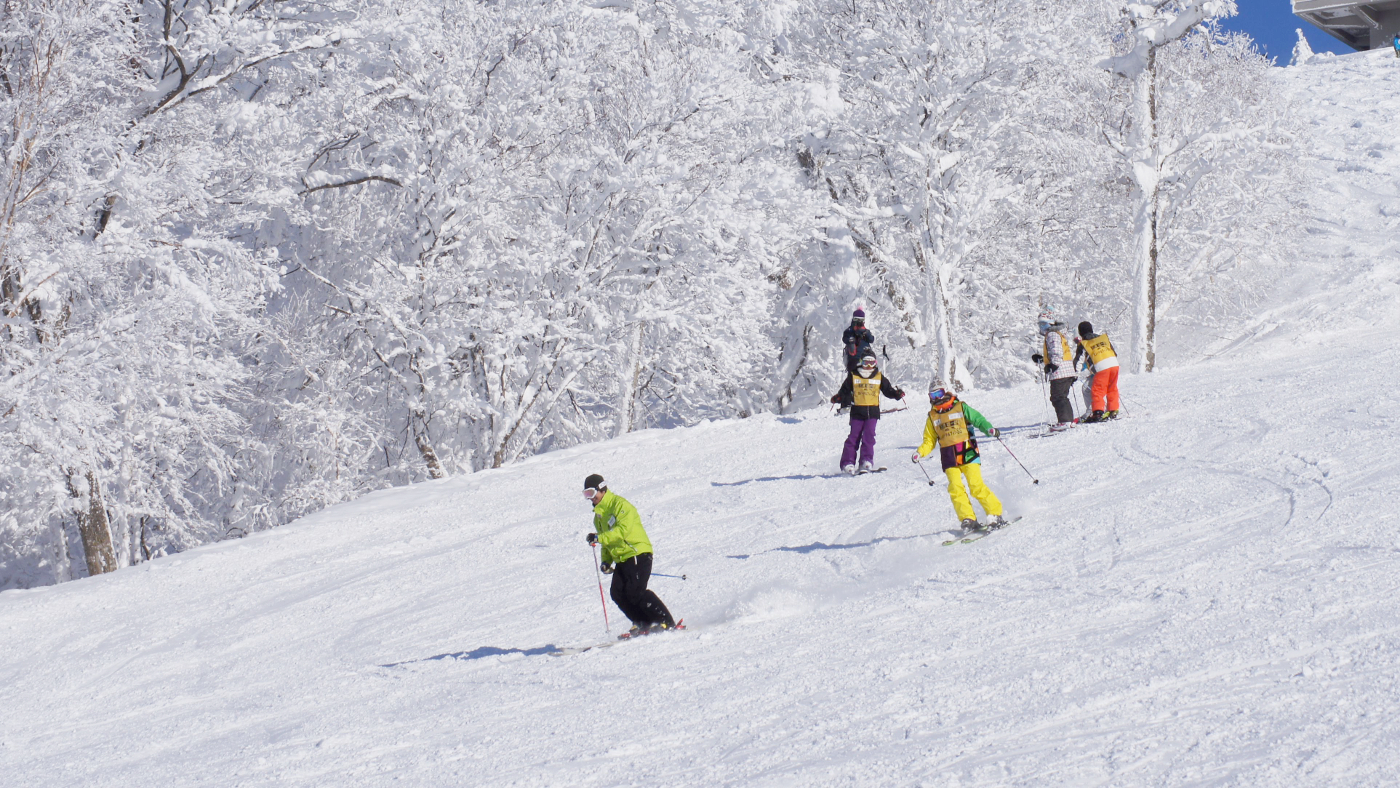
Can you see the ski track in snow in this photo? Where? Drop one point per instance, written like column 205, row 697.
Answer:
column 1203, row 593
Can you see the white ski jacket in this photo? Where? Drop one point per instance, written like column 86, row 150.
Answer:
column 1059, row 351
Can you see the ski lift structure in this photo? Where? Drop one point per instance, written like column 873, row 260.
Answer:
column 1359, row 25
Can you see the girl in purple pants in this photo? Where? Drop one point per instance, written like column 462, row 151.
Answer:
column 863, row 388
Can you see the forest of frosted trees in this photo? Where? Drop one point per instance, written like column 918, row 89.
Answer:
column 258, row 257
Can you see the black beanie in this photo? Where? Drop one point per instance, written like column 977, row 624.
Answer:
column 1086, row 330
column 594, row 481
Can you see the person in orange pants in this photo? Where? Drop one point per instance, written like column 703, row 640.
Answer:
column 1105, row 361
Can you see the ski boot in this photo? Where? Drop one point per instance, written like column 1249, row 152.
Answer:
column 1112, row 414
column 849, row 470
column 970, row 526
column 636, row 631
column 866, row 467
column 1093, row 418
column 1061, row 426
column 994, row 522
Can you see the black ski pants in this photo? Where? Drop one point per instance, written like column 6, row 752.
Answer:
column 629, row 591
column 1059, row 397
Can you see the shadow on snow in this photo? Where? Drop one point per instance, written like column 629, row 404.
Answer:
column 479, row 653
column 798, row 477
column 1023, row 428
column 815, row 546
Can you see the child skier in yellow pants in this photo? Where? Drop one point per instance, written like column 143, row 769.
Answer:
column 949, row 426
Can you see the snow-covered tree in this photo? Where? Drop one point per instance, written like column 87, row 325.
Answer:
column 1150, row 26
column 549, row 222
column 130, row 284
column 1229, row 211
column 952, row 142
column 258, row 258
column 1302, row 51
column 1201, row 139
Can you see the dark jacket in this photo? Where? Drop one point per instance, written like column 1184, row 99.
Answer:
column 856, row 341
column 868, row 411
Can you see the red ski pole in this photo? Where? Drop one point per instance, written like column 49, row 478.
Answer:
column 601, row 598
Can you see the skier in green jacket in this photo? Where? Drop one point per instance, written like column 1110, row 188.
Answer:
column 949, row 429
column 626, row 556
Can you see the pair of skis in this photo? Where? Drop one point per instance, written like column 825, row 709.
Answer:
column 969, row 537
column 623, row 638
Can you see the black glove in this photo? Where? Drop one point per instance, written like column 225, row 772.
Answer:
column 1049, row 368
column 591, row 539
column 606, row 567
column 899, row 393
column 995, row 433
column 1037, row 358
column 835, row 398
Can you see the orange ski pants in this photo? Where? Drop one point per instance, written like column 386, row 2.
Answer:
column 1106, row 388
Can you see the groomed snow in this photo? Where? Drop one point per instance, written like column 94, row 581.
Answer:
column 1201, row 594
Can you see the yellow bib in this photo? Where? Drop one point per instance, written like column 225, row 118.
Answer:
column 951, row 427
column 1064, row 349
column 1098, row 348
column 865, row 391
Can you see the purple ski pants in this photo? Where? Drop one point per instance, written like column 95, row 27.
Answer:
column 862, row 437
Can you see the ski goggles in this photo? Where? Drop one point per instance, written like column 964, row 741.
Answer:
column 868, row 363
column 590, row 492
column 938, row 395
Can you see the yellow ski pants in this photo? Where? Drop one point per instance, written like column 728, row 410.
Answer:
column 973, row 473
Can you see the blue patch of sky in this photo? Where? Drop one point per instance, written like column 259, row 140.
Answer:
column 1271, row 24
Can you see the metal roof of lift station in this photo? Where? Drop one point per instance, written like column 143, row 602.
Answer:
column 1358, row 24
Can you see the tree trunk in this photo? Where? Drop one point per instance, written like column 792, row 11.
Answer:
column 627, row 386
column 939, row 311
column 425, row 446
column 64, row 566
column 1147, row 187
column 93, row 526
column 944, row 365
column 789, row 394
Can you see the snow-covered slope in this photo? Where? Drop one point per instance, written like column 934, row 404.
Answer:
column 1201, row 594
column 1348, row 277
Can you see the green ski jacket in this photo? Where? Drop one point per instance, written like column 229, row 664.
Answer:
column 619, row 528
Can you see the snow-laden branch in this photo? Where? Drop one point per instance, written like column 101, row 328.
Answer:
column 1159, row 23
column 353, row 180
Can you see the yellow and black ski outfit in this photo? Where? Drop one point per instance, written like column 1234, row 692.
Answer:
column 949, row 427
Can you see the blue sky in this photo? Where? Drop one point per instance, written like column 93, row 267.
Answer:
column 1271, row 24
